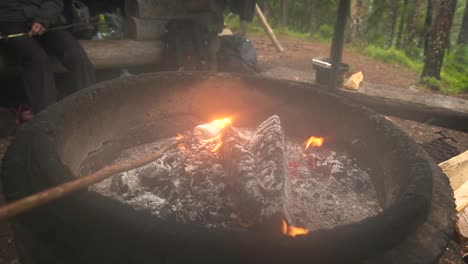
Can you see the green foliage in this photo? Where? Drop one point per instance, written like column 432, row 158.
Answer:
column 233, row 23
column 431, row 82
column 455, row 70
column 325, row 32
column 392, row 56
column 315, row 19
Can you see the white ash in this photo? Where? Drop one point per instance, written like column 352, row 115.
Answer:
column 326, row 188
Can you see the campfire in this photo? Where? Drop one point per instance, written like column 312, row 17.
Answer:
column 259, row 179
column 239, row 198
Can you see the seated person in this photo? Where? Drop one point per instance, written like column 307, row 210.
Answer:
column 32, row 52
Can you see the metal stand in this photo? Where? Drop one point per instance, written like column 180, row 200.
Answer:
column 338, row 41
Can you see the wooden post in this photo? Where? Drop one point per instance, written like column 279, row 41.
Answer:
column 338, row 40
column 268, row 29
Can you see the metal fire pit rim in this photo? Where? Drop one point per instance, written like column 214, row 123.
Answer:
column 38, row 138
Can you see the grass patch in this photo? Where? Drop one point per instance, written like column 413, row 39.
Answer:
column 393, row 56
column 232, row 22
column 455, row 71
column 325, row 32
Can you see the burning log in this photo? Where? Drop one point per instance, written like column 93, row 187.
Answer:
column 271, row 166
column 241, row 177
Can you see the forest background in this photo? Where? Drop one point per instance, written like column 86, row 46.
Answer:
column 426, row 36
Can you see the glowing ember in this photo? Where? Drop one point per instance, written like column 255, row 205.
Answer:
column 217, row 147
column 293, row 231
column 314, row 142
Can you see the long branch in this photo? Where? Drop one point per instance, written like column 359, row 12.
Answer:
column 30, row 202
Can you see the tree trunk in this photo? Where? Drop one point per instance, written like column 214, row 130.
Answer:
column 312, row 18
column 357, row 7
column 283, row 13
column 438, row 39
column 393, row 22
column 266, row 8
column 427, row 25
column 463, row 36
column 401, row 29
column 413, row 18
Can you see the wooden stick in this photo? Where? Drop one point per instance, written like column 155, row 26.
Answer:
column 30, row 202
column 268, row 29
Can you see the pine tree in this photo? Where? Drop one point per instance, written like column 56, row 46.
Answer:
column 393, row 22
column 413, row 18
column 401, row 29
column 463, row 35
column 438, row 39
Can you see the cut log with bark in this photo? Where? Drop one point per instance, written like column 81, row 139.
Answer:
column 456, row 170
column 243, row 185
column 270, row 163
column 145, row 29
column 462, row 226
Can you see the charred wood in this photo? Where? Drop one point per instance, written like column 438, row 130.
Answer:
column 270, row 163
column 241, row 177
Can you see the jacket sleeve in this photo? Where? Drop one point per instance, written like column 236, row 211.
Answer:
column 48, row 13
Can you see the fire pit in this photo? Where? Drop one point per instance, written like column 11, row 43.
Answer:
column 98, row 126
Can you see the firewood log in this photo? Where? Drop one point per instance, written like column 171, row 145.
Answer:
column 241, row 180
column 270, row 164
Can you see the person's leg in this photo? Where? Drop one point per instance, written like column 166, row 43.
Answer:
column 37, row 69
column 67, row 49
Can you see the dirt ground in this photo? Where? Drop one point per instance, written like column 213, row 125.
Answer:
column 297, row 57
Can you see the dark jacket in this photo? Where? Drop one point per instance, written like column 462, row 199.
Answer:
column 46, row 12
column 244, row 8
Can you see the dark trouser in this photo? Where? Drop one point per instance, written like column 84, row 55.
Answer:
column 33, row 56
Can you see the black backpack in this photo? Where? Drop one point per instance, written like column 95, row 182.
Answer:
column 237, row 54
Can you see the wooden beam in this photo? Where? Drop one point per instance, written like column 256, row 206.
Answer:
column 104, row 54
column 144, row 29
column 411, row 107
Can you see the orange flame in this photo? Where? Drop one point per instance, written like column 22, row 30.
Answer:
column 293, row 231
column 221, row 123
column 217, row 147
column 314, row 142
column 214, row 130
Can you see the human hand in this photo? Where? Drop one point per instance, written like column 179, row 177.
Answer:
column 37, row 29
